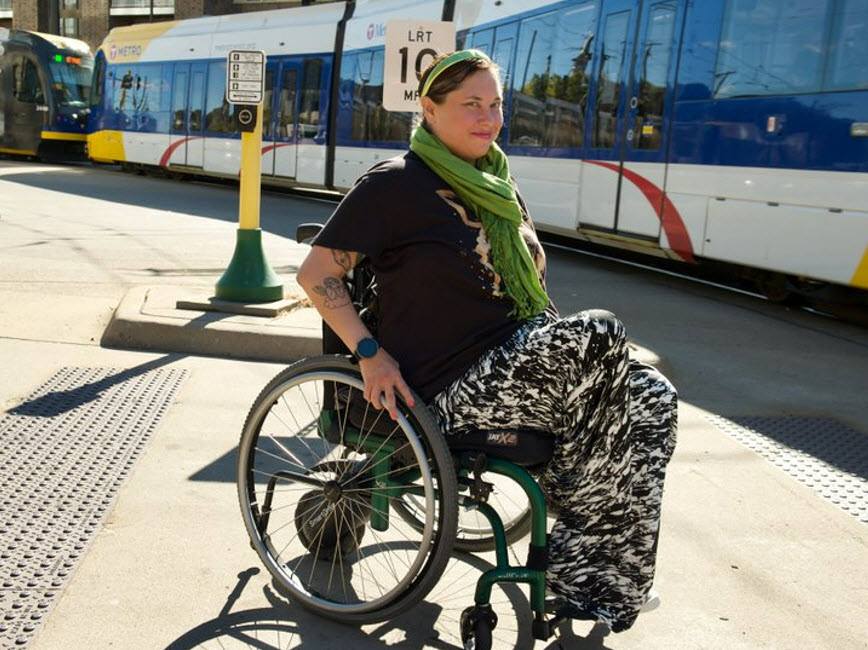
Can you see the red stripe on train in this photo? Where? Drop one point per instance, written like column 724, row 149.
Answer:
column 670, row 219
column 265, row 150
column 167, row 154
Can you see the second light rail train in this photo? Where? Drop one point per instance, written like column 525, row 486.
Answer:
column 733, row 131
column 44, row 92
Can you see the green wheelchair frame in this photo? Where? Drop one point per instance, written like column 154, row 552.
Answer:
column 477, row 621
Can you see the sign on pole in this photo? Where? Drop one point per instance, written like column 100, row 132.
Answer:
column 410, row 47
column 245, row 76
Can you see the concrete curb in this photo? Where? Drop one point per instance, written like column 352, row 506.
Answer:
column 151, row 318
column 147, row 319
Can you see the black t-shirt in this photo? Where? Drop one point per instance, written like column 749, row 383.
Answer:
column 441, row 304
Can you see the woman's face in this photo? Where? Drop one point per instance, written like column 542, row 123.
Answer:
column 470, row 117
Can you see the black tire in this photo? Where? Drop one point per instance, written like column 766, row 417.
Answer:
column 297, row 471
column 481, row 636
column 477, row 624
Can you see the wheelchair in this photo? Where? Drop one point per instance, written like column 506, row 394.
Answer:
column 356, row 515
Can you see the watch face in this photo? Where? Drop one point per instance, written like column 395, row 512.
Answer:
column 367, row 348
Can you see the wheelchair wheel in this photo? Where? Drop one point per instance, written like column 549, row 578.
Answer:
column 477, row 623
column 474, row 531
column 318, row 471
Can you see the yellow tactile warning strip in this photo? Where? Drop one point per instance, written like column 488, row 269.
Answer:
column 824, row 454
column 65, row 451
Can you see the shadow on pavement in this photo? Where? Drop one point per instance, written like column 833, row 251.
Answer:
column 279, row 213
column 57, row 402
column 271, row 628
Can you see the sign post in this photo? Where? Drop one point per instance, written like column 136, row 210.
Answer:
column 249, row 278
column 410, row 46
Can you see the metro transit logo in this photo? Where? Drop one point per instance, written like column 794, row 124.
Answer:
column 377, row 30
column 124, row 51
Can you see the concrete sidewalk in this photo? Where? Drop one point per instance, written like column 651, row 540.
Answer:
column 749, row 556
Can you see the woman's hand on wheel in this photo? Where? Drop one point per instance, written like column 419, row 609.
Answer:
column 383, row 378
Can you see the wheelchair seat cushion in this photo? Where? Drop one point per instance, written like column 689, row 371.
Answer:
column 525, row 447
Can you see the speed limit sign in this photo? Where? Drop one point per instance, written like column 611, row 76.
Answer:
column 410, row 47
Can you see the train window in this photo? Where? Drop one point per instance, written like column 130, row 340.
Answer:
column 609, row 82
column 197, row 85
column 653, row 65
column 179, row 101
column 99, row 81
column 124, row 89
column 308, row 115
column 370, row 121
column 771, row 47
column 219, row 114
column 550, row 82
column 147, row 89
column 502, row 56
column 69, row 26
column 482, row 41
column 287, row 103
column 135, row 88
column 266, row 104
column 28, row 88
column 849, row 49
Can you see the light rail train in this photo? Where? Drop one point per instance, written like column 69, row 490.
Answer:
column 732, row 131
column 44, row 91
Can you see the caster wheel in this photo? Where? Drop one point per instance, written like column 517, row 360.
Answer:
column 477, row 623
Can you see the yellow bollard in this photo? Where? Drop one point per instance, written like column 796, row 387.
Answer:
column 249, row 278
column 251, row 175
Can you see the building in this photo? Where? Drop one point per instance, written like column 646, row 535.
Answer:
column 91, row 20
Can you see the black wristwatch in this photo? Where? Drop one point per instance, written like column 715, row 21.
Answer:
column 366, row 348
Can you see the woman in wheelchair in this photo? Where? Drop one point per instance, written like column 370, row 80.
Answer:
column 463, row 318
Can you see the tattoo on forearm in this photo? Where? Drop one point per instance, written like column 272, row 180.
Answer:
column 334, row 292
column 343, row 259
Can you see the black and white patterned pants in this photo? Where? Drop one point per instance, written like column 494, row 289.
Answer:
column 614, row 423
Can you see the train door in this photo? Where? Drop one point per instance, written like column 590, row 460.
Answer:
column 179, row 122
column 601, row 167
column 195, row 110
column 26, row 108
column 188, row 99
column 502, row 51
column 643, row 171
column 623, row 174
column 284, row 139
column 499, row 45
column 272, row 68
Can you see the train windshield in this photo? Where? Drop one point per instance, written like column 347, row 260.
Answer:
column 70, row 79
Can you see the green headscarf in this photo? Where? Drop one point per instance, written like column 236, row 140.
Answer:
column 486, row 189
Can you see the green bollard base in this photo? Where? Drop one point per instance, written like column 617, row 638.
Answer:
column 249, row 278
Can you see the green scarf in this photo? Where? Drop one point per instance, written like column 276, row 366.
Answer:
column 486, row 189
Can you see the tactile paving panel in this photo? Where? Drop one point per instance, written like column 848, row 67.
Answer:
column 65, row 451
column 824, row 454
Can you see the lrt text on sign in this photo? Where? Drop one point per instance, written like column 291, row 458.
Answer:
column 245, row 76
column 410, row 48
